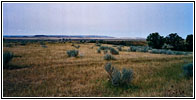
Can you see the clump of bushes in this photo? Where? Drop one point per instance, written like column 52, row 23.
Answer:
column 72, row 53
column 155, row 51
column 109, row 57
column 98, row 51
column 114, row 51
column 132, row 48
column 119, row 78
column 7, row 56
column 188, row 70
column 168, row 52
column 104, row 47
column 139, row 48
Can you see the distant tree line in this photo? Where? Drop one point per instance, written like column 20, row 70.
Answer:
column 120, row 42
column 173, row 41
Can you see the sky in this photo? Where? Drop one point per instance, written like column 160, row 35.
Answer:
column 108, row 19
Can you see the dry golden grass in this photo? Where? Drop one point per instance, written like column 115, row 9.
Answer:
column 50, row 72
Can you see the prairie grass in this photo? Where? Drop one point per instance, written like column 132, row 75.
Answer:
column 52, row 73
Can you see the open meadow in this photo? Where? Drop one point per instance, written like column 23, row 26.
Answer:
column 47, row 71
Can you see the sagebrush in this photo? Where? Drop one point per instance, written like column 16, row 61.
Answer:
column 119, row 78
column 72, row 53
column 188, row 70
column 109, row 57
column 114, row 51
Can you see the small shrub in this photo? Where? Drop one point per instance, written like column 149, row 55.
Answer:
column 109, row 57
column 155, row 51
column 119, row 48
column 146, row 48
column 127, row 75
column 169, row 52
column 119, row 78
column 98, row 51
column 104, row 47
column 7, row 56
column 188, row 70
column 72, row 53
column 132, row 48
column 109, row 68
column 114, row 51
column 179, row 53
column 116, row 77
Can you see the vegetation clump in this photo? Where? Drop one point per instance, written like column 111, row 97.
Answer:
column 139, row 48
column 98, row 51
column 155, row 51
column 119, row 78
column 114, row 51
column 104, row 47
column 72, row 53
column 109, row 57
column 7, row 56
column 172, row 42
column 168, row 52
column 155, row 40
column 188, row 70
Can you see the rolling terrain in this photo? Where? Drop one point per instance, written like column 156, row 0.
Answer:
column 48, row 71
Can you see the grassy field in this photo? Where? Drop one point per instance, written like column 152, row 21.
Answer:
column 50, row 72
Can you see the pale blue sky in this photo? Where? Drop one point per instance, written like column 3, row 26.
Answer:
column 109, row 19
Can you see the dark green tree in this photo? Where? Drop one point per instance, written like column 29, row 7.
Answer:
column 189, row 42
column 176, row 41
column 155, row 40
